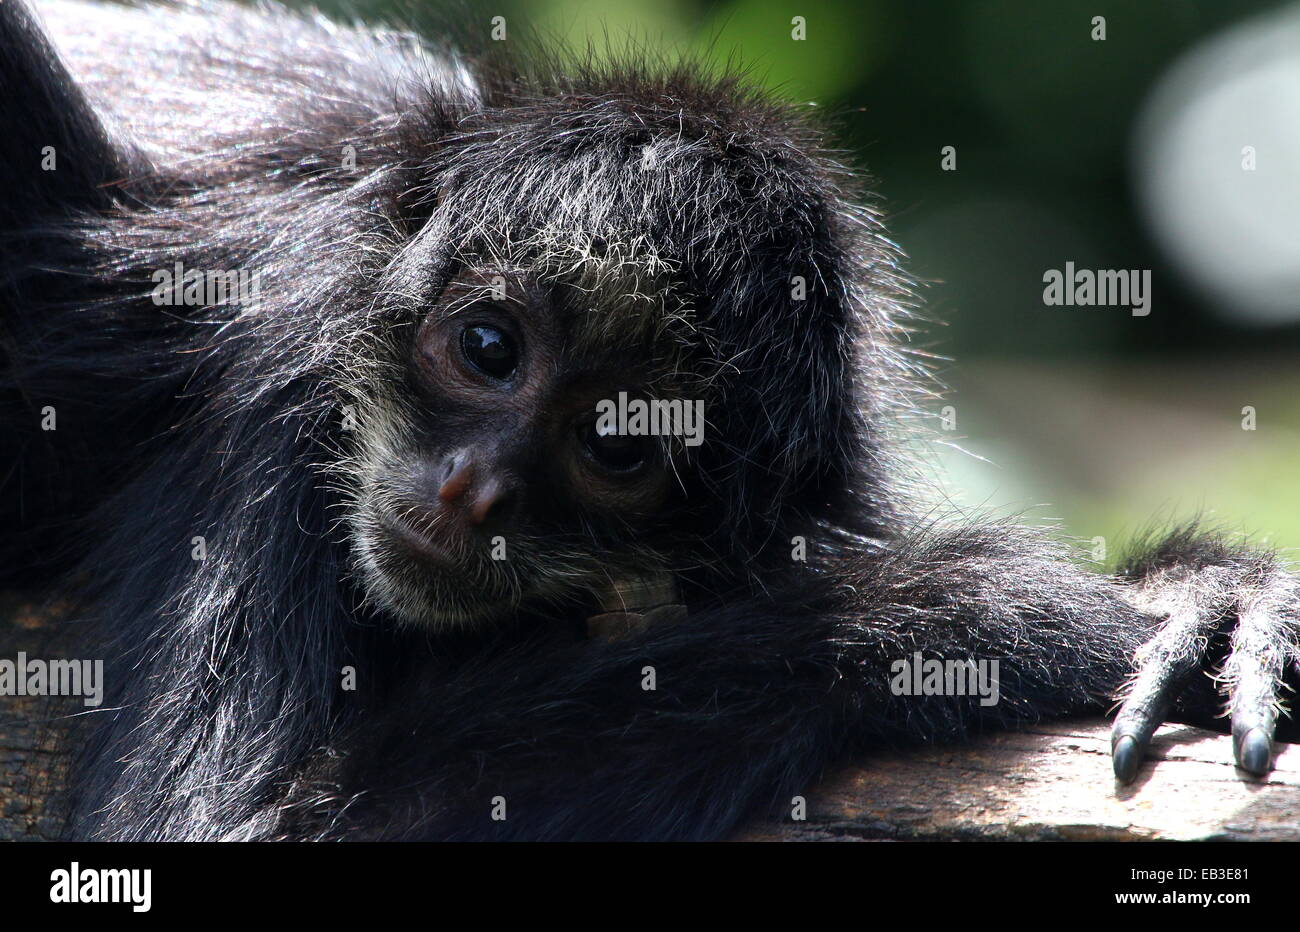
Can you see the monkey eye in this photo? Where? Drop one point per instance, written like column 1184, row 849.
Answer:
column 490, row 351
column 616, row 452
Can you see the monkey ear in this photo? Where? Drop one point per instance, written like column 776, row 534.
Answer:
column 55, row 153
column 418, row 274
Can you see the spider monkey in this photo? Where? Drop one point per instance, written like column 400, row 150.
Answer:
column 345, row 541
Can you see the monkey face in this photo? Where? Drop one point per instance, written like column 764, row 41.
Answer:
column 489, row 479
column 553, row 274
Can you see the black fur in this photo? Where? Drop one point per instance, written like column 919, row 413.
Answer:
column 213, row 135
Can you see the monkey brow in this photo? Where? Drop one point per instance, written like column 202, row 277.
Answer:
column 619, row 317
column 617, row 299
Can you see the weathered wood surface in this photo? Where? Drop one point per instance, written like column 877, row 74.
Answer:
column 32, row 752
column 1052, row 782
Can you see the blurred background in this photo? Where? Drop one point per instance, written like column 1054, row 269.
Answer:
column 1162, row 135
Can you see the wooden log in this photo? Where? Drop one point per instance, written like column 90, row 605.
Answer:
column 1053, row 782
column 33, row 752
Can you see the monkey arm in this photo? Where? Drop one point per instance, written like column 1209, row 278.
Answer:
column 751, row 702
column 683, row 731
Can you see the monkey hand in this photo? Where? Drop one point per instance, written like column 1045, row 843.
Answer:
column 1229, row 640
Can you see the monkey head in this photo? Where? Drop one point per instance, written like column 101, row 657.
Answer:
column 578, row 249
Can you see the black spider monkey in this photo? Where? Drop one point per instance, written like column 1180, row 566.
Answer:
column 283, row 517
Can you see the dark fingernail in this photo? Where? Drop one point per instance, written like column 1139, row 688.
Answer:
column 1127, row 756
column 1256, row 751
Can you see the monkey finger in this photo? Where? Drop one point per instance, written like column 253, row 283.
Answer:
column 1253, row 672
column 1168, row 661
column 1254, row 717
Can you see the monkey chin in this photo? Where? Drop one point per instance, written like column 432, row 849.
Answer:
column 422, row 585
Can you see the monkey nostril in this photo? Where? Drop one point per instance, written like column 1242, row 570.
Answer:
column 493, row 501
column 453, row 488
column 480, row 496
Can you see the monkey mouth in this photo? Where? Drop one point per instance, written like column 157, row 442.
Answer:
column 426, row 583
column 417, row 544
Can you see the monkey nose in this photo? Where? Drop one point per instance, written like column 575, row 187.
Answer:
column 482, row 498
